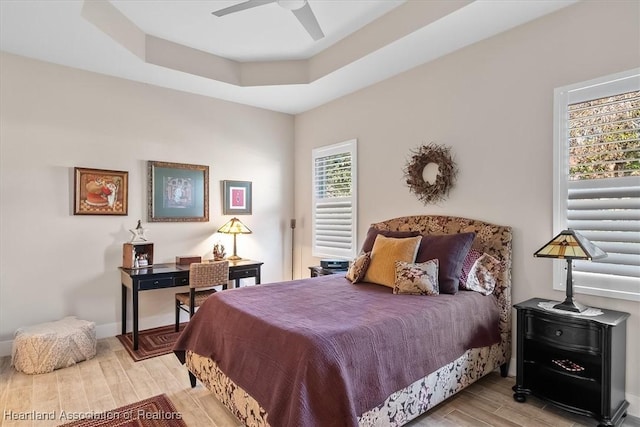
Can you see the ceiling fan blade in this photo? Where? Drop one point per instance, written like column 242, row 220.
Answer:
column 242, row 6
column 309, row 22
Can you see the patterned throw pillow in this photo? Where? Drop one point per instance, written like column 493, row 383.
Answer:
column 417, row 279
column 358, row 268
column 467, row 265
column 482, row 275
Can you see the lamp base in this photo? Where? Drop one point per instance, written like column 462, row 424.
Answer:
column 234, row 258
column 570, row 305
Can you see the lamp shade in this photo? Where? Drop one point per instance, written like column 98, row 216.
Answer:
column 570, row 244
column 234, row 226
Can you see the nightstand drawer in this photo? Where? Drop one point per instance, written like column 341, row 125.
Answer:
column 563, row 334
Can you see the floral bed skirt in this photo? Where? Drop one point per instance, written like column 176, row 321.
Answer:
column 398, row 409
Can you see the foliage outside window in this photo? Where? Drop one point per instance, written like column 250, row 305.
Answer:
column 597, row 180
column 604, row 137
column 334, row 200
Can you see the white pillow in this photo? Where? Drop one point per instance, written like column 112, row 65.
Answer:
column 482, row 275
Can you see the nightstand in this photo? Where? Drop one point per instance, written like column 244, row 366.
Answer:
column 317, row 270
column 574, row 362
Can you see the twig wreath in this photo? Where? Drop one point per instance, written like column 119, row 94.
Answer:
column 447, row 171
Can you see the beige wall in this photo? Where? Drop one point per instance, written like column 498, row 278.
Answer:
column 493, row 104
column 53, row 118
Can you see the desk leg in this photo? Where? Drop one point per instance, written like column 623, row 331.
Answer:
column 134, row 292
column 124, row 309
column 258, row 276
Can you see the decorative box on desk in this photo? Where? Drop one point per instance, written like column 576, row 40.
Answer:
column 139, row 251
column 576, row 362
column 188, row 259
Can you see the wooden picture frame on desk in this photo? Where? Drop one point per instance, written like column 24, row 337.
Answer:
column 131, row 251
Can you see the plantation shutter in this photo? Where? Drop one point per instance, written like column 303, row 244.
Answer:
column 607, row 212
column 600, row 188
column 334, row 200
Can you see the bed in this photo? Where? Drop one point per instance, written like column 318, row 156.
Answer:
column 324, row 351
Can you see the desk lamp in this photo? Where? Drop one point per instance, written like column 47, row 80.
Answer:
column 235, row 227
column 570, row 245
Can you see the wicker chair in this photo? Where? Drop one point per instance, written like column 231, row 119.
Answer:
column 201, row 276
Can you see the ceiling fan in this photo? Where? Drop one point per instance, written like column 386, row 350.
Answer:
column 300, row 8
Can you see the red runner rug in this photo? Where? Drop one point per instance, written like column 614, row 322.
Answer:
column 157, row 411
column 151, row 342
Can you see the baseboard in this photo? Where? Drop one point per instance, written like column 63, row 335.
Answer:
column 634, row 407
column 109, row 330
column 512, row 367
column 632, row 421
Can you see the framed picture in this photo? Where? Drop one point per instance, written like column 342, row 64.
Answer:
column 236, row 197
column 100, row 192
column 177, row 192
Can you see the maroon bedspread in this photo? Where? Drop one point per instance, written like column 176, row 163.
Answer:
column 321, row 351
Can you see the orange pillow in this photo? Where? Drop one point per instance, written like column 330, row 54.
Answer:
column 386, row 251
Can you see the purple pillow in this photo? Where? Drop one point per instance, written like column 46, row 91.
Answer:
column 450, row 250
column 367, row 246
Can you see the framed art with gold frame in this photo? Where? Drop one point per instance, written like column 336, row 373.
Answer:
column 100, row 192
column 177, row 192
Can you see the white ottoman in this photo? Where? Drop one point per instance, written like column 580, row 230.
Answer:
column 42, row 348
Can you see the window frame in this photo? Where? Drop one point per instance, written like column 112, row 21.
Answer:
column 610, row 286
column 351, row 147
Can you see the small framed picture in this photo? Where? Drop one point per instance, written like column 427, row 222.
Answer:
column 100, row 192
column 177, row 192
column 236, row 197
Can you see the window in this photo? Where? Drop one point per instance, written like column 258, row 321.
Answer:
column 334, row 200
column 597, row 180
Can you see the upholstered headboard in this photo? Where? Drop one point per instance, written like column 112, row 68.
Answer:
column 490, row 238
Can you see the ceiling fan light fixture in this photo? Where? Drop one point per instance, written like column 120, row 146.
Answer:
column 300, row 9
column 292, row 4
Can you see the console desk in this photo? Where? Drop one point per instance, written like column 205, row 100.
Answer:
column 159, row 276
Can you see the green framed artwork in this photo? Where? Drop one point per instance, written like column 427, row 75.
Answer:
column 177, row 192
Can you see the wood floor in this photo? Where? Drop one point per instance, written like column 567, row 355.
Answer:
column 112, row 379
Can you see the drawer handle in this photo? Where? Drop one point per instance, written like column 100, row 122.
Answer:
column 558, row 332
column 156, row 282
